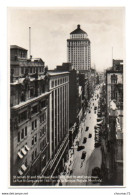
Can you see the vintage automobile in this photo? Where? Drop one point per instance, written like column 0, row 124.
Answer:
column 87, row 128
column 90, row 135
column 83, row 155
column 96, row 174
column 84, row 140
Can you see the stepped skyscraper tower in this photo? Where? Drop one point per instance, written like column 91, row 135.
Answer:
column 79, row 51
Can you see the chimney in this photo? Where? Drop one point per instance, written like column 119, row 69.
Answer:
column 78, row 26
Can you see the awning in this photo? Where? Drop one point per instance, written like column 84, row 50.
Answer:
column 20, row 155
column 23, row 167
column 27, row 148
column 100, row 122
column 99, row 118
column 20, row 172
column 24, row 151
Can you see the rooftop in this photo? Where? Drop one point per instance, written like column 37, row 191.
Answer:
column 17, row 47
column 78, row 31
column 53, row 73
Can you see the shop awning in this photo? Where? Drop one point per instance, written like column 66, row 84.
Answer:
column 24, row 168
column 100, row 122
column 27, row 148
column 24, row 151
column 20, row 172
column 20, row 155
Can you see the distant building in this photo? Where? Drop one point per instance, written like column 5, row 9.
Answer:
column 79, row 50
column 114, row 95
column 29, row 126
column 101, row 77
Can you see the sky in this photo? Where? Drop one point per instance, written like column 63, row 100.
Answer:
column 51, row 27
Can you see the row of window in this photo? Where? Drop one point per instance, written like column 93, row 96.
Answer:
column 22, row 134
column 34, row 154
column 59, row 81
column 43, row 144
column 43, row 118
column 24, row 116
column 43, row 131
column 34, row 124
column 31, row 69
column 34, row 140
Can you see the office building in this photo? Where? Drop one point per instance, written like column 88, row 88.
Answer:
column 79, row 50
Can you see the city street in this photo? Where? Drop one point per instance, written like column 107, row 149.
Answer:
column 93, row 157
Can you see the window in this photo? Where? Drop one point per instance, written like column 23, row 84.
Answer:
column 31, row 92
column 52, row 84
column 22, row 134
column 34, row 124
column 34, row 140
column 35, row 153
column 58, row 81
column 18, row 137
column 22, row 70
column 22, row 116
column 43, row 144
column 42, row 118
column 32, row 155
column 34, row 109
column 22, row 97
column 43, row 131
column 113, row 79
column 43, row 104
column 25, row 131
column 55, row 82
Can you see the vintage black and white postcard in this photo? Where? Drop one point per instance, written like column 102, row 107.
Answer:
column 66, row 96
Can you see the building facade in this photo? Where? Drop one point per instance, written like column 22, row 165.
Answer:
column 79, row 50
column 59, row 120
column 75, row 100
column 114, row 98
column 21, row 65
column 29, row 119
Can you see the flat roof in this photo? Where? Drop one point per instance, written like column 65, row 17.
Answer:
column 17, row 47
column 57, row 73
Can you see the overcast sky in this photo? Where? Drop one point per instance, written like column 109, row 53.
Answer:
column 50, row 28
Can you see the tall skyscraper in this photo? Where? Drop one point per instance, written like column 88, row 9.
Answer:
column 79, row 51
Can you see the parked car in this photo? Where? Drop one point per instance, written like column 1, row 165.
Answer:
column 87, row 128
column 83, row 155
column 97, row 144
column 95, row 108
column 96, row 174
column 89, row 111
column 90, row 135
column 84, row 140
column 80, row 148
